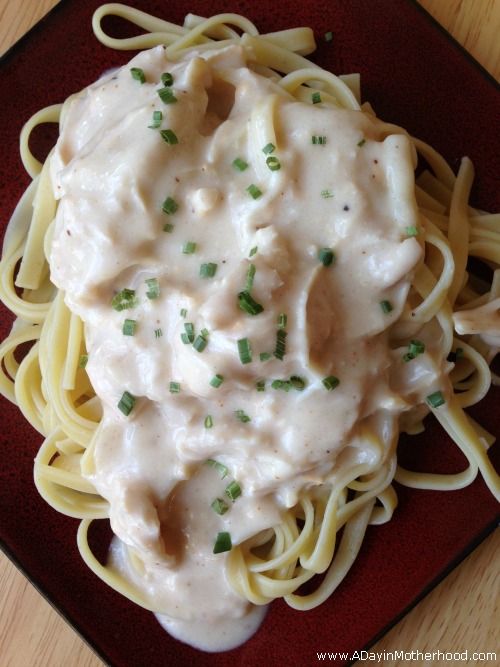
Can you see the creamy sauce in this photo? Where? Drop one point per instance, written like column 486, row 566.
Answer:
column 112, row 173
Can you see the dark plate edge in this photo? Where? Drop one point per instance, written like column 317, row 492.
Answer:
column 458, row 560
column 468, row 56
column 480, row 537
column 63, row 613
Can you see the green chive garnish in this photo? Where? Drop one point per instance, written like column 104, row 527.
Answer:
column 261, row 385
column 218, row 466
column 316, row 98
column 168, row 227
column 138, row 74
column 124, row 299
column 326, row 256
column 175, row 387
column 298, row 382
column 209, row 421
column 273, row 163
column 264, row 356
column 128, row 328
column 416, row 347
column 268, row 148
column 247, row 303
column 326, row 194
column 315, row 139
column 167, row 95
column 282, row 319
column 170, row 206
column 222, row 543
column 239, row 164
column 158, row 333
column 189, row 329
column 153, row 288
column 189, row 247
column 331, row 382
column 244, row 350
column 233, row 490
column 386, row 306
column 169, row 137
column 217, row 380
column 157, row 119
column 279, row 351
column 83, row 361
column 167, row 79
column 183, row 312
column 436, row 399
column 253, row 251
column 328, row 36
column 200, row 343
column 220, row 506
column 240, row 414
column 208, row 270
column 126, row 403
column 253, row 191
column 361, row 142
column 411, row 231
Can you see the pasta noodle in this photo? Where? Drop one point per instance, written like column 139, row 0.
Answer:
column 323, row 530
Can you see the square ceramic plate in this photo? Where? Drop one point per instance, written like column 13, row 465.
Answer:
column 414, row 75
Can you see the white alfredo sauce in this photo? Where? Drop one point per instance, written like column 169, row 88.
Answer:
column 112, row 173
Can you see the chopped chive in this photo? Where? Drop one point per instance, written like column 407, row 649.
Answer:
column 83, row 361
column 264, row 356
column 240, row 414
column 217, row 380
column 153, row 288
column 249, row 278
column 218, row 466
column 253, row 251
column 459, row 354
column 411, row 231
column 298, row 382
column 326, row 194
column 138, row 74
column 279, row 351
column 331, row 382
column 247, row 303
column 157, row 119
column 328, row 36
column 233, row 490
column 436, row 399
column 174, row 387
column 361, row 142
column 158, row 333
column 188, row 336
column 128, row 328
column 220, row 506
column 200, row 343
column 208, row 270
column 205, row 332
column 167, row 95
column 209, row 422
column 183, row 312
column 316, row 98
column 167, row 79
column 239, row 164
column 126, row 403
column 169, row 137
column 244, row 350
column 268, row 148
column 168, row 227
column 416, row 347
column 282, row 319
column 222, row 543
column 326, row 256
column 273, row 163
column 386, row 306
column 408, row 357
column 170, row 206
column 315, row 139
column 261, row 385
column 189, row 247
column 124, row 299
column 253, row 191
